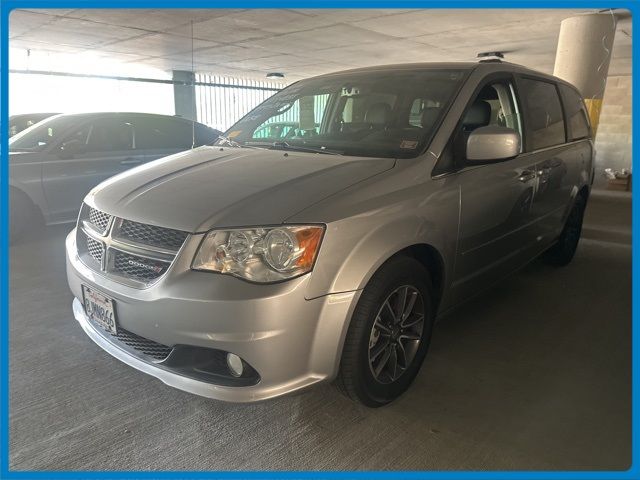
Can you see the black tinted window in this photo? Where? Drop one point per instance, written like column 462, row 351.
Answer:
column 205, row 135
column 107, row 135
column 42, row 136
column 576, row 113
column 159, row 133
column 544, row 114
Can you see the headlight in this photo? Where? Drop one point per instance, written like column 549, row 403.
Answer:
column 262, row 254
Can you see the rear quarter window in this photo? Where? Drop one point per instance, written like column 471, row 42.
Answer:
column 576, row 112
column 545, row 121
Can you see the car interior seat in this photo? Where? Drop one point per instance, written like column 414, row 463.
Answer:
column 479, row 115
column 378, row 115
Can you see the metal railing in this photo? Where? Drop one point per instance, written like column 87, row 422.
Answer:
column 221, row 101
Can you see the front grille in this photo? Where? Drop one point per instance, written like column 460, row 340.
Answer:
column 151, row 235
column 143, row 345
column 137, row 267
column 99, row 219
column 95, row 249
column 133, row 253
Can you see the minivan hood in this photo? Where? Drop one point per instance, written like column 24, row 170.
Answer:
column 211, row 187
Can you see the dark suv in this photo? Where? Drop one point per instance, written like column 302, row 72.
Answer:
column 53, row 165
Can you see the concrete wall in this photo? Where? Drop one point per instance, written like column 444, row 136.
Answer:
column 613, row 140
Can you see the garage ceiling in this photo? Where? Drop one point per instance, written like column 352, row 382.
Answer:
column 299, row 43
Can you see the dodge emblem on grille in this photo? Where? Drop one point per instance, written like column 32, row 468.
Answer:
column 152, row 268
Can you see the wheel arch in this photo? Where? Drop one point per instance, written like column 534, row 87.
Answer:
column 433, row 261
column 427, row 255
column 17, row 189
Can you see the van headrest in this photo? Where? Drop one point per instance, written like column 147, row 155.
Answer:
column 429, row 116
column 378, row 114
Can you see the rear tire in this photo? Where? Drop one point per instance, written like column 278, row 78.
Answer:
column 21, row 213
column 393, row 320
column 563, row 251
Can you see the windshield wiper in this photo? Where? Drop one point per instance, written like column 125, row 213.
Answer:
column 232, row 143
column 300, row 148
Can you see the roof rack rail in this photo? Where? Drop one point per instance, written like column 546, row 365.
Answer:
column 490, row 57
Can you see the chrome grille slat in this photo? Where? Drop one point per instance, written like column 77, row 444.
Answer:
column 142, row 250
column 131, row 252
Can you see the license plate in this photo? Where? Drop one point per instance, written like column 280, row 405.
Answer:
column 100, row 309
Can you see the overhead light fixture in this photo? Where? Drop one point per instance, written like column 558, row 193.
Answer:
column 275, row 75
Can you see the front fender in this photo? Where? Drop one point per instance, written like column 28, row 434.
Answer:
column 355, row 247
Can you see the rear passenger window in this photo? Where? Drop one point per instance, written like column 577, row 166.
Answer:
column 163, row 133
column 576, row 114
column 544, row 113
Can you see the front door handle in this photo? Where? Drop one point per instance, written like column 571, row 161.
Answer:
column 130, row 161
column 527, row 175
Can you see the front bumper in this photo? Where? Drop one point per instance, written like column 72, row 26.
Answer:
column 290, row 341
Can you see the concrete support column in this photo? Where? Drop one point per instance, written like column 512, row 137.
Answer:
column 184, row 94
column 584, row 51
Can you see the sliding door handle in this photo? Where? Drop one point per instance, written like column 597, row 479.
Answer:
column 527, row 175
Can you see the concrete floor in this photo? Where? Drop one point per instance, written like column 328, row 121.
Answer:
column 534, row 374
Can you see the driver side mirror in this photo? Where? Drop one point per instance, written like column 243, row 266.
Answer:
column 492, row 144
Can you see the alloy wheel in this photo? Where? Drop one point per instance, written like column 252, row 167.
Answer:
column 396, row 334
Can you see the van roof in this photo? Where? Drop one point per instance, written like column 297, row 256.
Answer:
column 483, row 66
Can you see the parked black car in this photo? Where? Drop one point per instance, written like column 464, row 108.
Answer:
column 53, row 165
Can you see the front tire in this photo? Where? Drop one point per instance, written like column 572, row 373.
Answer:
column 389, row 333
column 563, row 251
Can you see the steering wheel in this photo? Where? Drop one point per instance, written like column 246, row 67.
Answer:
column 299, row 133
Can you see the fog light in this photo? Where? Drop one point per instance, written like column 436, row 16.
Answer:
column 234, row 362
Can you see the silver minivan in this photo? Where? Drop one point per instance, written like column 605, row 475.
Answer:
column 54, row 163
column 261, row 266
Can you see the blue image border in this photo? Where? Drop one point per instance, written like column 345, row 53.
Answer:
column 6, row 6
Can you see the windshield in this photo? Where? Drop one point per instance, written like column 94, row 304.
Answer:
column 18, row 123
column 374, row 114
column 41, row 135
